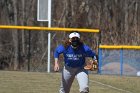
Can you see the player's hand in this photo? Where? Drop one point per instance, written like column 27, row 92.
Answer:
column 56, row 67
column 95, row 65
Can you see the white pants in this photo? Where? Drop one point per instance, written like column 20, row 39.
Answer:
column 68, row 75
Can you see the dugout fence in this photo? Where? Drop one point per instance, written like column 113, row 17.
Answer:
column 119, row 60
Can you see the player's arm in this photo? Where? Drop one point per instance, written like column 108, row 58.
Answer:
column 57, row 52
column 56, row 65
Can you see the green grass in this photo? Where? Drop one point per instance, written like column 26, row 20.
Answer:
column 35, row 82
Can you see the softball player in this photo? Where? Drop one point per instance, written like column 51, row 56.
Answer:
column 74, row 52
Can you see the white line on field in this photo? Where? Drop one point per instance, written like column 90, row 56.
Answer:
column 110, row 86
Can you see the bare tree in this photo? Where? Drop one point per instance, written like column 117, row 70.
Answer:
column 15, row 35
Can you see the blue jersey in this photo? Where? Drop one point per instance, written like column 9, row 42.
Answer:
column 74, row 57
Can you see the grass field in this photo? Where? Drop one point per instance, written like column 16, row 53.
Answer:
column 35, row 82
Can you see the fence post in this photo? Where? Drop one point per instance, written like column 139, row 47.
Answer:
column 100, row 60
column 121, row 61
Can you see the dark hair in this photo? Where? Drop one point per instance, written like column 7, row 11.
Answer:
column 66, row 43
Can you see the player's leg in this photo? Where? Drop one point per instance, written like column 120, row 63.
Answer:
column 68, row 76
column 82, row 77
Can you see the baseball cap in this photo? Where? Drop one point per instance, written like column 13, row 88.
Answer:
column 74, row 34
